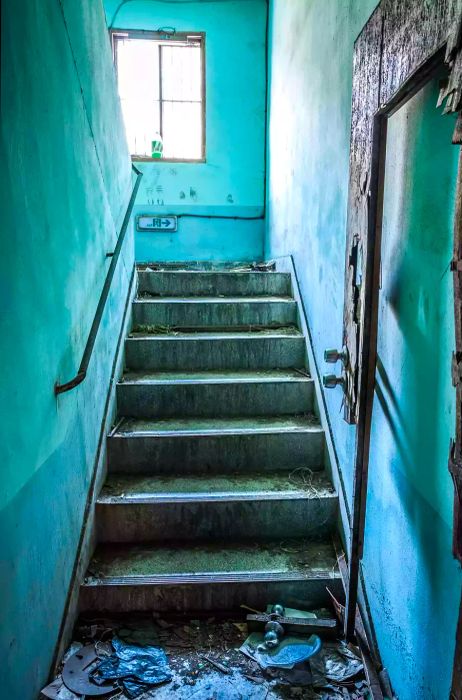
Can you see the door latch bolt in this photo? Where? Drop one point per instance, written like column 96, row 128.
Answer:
column 330, row 381
column 332, row 355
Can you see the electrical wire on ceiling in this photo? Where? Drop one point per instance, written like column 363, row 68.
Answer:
column 164, row 2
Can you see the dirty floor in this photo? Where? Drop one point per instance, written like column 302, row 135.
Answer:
column 206, row 663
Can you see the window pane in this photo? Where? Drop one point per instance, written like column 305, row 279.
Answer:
column 181, row 73
column 182, row 130
column 138, row 79
column 138, row 68
column 142, row 124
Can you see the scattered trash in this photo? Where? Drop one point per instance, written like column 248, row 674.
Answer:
column 56, row 690
column 252, row 610
column 277, row 609
column 78, row 670
column 146, row 634
column 138, row 668
column 254, row 679
column 300, row 675
column 296, row 622
column 336, row 662
column 73, row 649
column 216, row 664
column 214, row 657
column 290, row 651
column 241, row 626
column 274, row 632
column 291, row 612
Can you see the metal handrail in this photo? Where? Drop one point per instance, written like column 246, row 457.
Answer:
column 82, row 371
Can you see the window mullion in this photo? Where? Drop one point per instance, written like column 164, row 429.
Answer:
column 161, row 106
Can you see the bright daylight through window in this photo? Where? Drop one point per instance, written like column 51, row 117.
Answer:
column 161, row 87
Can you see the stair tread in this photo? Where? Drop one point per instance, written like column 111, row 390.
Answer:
column 139, row 488
column 277, row 332
column 203, row 273
column 290, row 558
column 216, row 426
column 251, row 299
column 214, row 376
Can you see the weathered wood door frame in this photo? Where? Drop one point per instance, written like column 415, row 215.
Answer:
column 404, row 45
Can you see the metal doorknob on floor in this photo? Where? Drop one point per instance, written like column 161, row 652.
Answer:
column 330, row 381
column 332, row 355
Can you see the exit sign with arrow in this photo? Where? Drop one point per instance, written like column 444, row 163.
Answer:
column 167, row 224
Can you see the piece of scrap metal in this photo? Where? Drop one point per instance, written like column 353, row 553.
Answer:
column 76, row 673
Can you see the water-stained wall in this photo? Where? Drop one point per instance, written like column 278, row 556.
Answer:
column 412, row 581
column 66, row 179
column 231, row 181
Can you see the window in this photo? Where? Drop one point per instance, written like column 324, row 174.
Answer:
column 161, row 87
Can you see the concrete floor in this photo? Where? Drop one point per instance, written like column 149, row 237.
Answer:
column 192, row 646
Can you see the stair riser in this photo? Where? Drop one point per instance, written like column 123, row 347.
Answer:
column 211, row 596
column 225, row 353
column 189, row 284
column 240, row 399
column 209, row 315
column 216, row 454
column 216, row 520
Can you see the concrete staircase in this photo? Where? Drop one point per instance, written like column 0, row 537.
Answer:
column 216, row 493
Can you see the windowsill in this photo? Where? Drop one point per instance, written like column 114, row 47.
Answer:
column 148, row 159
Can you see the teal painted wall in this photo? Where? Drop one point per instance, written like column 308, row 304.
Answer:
column 231, row 182
column 311, row 48
column 66, row 179
column 412, row 579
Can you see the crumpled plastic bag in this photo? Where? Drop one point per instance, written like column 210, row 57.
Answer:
column 138, row 668
column 289, row 652
column 336, row 663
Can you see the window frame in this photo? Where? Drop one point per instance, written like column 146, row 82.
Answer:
column 116, row 34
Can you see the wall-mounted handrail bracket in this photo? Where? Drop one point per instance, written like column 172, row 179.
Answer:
column 87, row 353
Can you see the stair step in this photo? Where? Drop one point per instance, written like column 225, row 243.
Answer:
column 140, row 509
column 216, row 445
column 212, row 283
column 268, row 349
column 207, row 576
column 208, row 312
column 219, row 393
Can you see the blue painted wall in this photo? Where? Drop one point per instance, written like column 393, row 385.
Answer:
column 231, row 182
column 411, row 578
column 66, row 178
column 311, row 48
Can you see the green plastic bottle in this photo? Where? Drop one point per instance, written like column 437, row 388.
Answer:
column 157, row 146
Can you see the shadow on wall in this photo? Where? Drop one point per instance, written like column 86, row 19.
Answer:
column 411, row 576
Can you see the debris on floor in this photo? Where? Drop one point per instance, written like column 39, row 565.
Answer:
column 208, row 658
column 260, row 266
column 289, row 652
column 138, row 668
